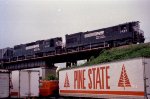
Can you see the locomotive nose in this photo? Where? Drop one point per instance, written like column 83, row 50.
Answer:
column 141, row 36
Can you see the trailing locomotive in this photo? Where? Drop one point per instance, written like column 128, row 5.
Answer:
column 38, row 48
column 122, row 34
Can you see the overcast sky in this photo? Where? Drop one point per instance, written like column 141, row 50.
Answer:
column 23, row 21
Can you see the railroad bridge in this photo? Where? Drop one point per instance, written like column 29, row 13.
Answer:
column 48, row 61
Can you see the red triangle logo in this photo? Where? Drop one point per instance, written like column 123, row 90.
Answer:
column 66, row 83
column 124, row 80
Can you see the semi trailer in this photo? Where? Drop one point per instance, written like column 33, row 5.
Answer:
column 25, row 83
column 121, row 79
column 4, row 84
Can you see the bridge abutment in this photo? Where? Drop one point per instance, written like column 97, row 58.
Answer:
column 47, row 71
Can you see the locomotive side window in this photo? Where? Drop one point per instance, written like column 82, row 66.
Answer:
column 46, row 44
column 123, row 29
column 136, row 27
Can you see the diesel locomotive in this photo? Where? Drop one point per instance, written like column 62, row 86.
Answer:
column 122, row 34
column 128, row 33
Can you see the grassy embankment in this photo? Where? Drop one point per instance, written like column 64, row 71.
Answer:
column 120, row 53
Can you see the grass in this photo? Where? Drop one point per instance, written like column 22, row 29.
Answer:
column 120, row 53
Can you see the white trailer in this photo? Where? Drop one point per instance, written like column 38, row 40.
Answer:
column 4, row 84
column 123, row 79
column 25, row 83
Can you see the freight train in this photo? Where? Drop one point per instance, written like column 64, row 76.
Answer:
column 122, row 34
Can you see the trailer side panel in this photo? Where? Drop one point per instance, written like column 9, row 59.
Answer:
column 110, row 80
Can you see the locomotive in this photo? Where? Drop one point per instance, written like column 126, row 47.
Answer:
column 122, row 34
column 38, row 48
column 128, row 33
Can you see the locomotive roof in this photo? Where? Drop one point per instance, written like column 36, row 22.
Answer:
column 103, row 28
column 114, row 26
column 35, row 42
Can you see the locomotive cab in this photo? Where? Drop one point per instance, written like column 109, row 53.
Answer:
column 138, row 34
column 58, row 45
column 52, row 46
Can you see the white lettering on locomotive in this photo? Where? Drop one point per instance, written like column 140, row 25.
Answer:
column 35, row 47
column 98, row 35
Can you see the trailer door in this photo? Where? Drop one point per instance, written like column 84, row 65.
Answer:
column 29, row 83
column 34, row 83
column 4, row 84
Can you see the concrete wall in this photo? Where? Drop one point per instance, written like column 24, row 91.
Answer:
column 48, row 70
